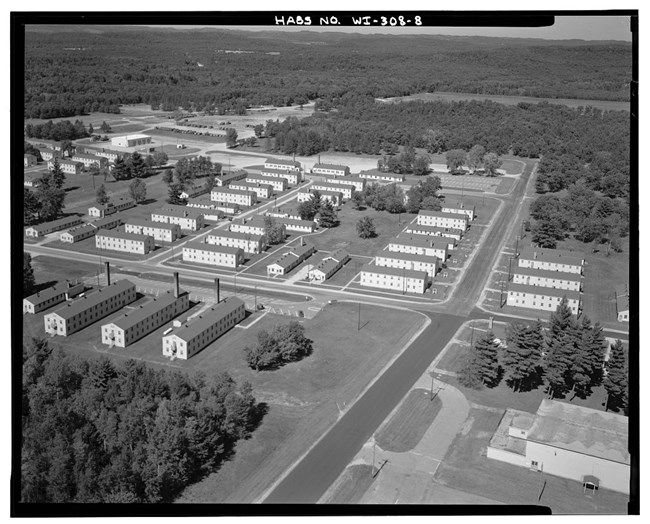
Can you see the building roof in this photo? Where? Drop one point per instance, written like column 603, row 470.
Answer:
column 557, row 256
column 434, row 229
column 286, row 172
column 202, row 201
column 440, row 214
column 110, row 233
column 544, row 291
column 297, row 222
column 71, row 309
column 251, row 185
column 228, row 191
column 178, row 211
column 347, row 180
column 60, row 223
column 29, row 155
column 134, row 316
column 212, row 247
column 420, row 241
column 80, row 230
column 330, row 186
column 282, row 162
column 622, row 290
column 582, row 430
column 229, row 175
column 110, row 220
column 409, row 273
column 326, row 265
column 267, row 178
column 288, row 258
column 622, row 303
column 324, row 192
column 207, row 318
column 547, row 273
column 330, row 166
column 86, row 156
column 50, row 292
column 382, row 174
column 301, row 251
column 457, row 205
column 102, row 207
column 412, row 257
column 62, row 161
column 150, row 223
column 236, row 234
column 338, row 254
column 132, row 137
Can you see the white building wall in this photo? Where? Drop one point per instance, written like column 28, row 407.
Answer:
column 436, row 221
column 535, row 280
column 213, row 258
column 392, row 282
column 506, row 456
column 539, row 301
column 550, row 266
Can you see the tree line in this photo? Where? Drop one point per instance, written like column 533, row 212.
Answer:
column 96, row 431
column 568, row 358
column 64, row 130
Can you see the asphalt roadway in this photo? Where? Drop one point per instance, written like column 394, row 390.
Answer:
column 314, row 474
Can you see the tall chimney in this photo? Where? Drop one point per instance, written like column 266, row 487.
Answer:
column 216, row 283
column 108, row 274
column 302, row 242
column 177, row 290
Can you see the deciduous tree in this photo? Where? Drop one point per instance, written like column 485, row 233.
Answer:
column 366, row 228
column 475, row 157
column 455, row 160
column 101, row 195
column 138, row 190
column 328, row 217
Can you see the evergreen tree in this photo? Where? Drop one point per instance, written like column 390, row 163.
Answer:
column 561, row 320
column 91, row 130
column 121, row 169
column 328, row 216
column 309, row 208
column 588, row 357
column 487, row 354
column 521, row 357
column 28, row 274
column 274, row 231
column 31, row 206
column 105, row 127
column 616, row 378
column 366, row 228
column 57, row 176
column 557, row 364
column 102, row 196
column 174, row 194
column 51, row 199
column 469, row 374
column 137, row 166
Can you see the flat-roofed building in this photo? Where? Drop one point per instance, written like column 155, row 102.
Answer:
column 51, row 296
column 261, row 190
column 189, row 219
column 52, row 227
column 158, row 230
column 287, row 165
column 404, row 280
column 130, row 140
column 297, row 225
column 415, row 229
column 335, row 197
column 382, row 178
column 328, row 265
column 439, row 219
column 193, row 192
column 193, row 336
column 419, row 245
column 408, row 261
column 90, row 160
column 290, row 260
column 293, row 177
column 589, row 446
column 77, row 233
column 544, row 298
column 248, row 242
column 139, row 322
column 345, row 189
column 233, row 196
column 67, row 166
column 278, row 184
column 210, row 209
column 29, row 160
column 222, row 256
column 108, row 223
column 124, row 242
column 330, row 169
column 460, row 209
column 546, row 278
column 227, row 177
column 76, row 315
column 552, row 260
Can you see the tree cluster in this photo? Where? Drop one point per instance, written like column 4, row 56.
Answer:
column 95, row 431
column 389, row 197
column 64, row 130
column 28, row 275
column 46, row 203
column 424, row 195
column 406, row 162
column 366, row 228
column 283, row 344
column 274, row 231
column 320, row 209
column 478, row 160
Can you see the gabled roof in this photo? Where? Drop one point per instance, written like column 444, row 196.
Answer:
column 544, row 291
column 50, row 292
column 207, row 318
column 411, row 257
column 330, row 166
column 134, row 316
column 109, row 220
column 440, row 214
column 393, row 271
column 60, row 223
column 557, row 256
column 178, row 211
column 546, row 273
column 110, row 233
column 150, row 223
column 72, row 309
column 238, row 235
column 622, row 303
column 283, row 172
column 282, row 162
column 212, row 247
column 80, row 230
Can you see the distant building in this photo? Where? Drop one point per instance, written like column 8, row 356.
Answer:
column 261, row 190
column 108, row 154
column 586, row 445
column 32, row 181
column 227, row 177
column 546, row 278
column 108, row 223
column 90, row 160
column 345, row 189
column 77, row 234
column 222, row 256
column 460, row 209
column 419, row 245
column 290, row 260
column 210, row 209
column 414, row 229
column 160, row 231
column 440, row 219
column 274, row 163
column 622, row 303
column 253, row 226
column 330, row 169
column 50, row 154
column 408, row 261
column 284, row 212
column 293, row 177
column 544, row 298
column 195, row 191
column 76, row 315
column 335, row 197
column 329, row 265
column 404, row 280
column 278, row 184
column 124, row 242
column 379, row 176
column 130, row 140
column 186, row 341
column 552, row 260
column 248, row 242
column 67, row 166
column 51, row 227
column 51, row 296
column 234, row 196
column 29, row 160
column 356, row 182
column 103, row 210
column 189, row 219
column 299, row 226
column 135, row 324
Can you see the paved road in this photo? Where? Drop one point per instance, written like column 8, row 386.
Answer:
column 311, row 477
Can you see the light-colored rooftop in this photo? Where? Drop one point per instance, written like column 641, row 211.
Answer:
column 195, row 244
column 60, row 223
column 207, row 318
column 409, row 273
column 132, row 317
column 50, row 292
column 150, row 223
column 111, row 233
column 547, row 273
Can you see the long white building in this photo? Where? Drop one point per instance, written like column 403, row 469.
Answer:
column 188, row 218
column 544, row 298
column 248, row 242
column 440, row 219
column 546, row 278
column 76, row 315
column 130, row 140
column 379, row 176
column 124, row 242
column 293, row 177
column 276, row 163
column 335, row 197
column 52, row 227
column 330, row 169
column 160, row 231
column 186, row 341
column 233, row 196
column 414, row 229
column 77, row 233
column 552, row 260
column 278, row 184
column 345, row 189
column 51, row 296
column 222, row 256
column 328, row 265
column 261, row 190
column 419, row 245
column 408, row 261
column 290, row 260
column 459, row 209
column 404, row 280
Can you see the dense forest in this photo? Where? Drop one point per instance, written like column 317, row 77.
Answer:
column 74, row 70
column 95, row 431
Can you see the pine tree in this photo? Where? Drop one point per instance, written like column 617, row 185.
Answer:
column 523, row 353
column 469, row 373
column 616, row 378
column 102, row 196
column 28, row 274
column 561, row 319
column 487, row 352
column 57, row 176
column 121, row 169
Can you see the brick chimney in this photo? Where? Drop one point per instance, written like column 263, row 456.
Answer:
column 108, row 274
column 177, row 289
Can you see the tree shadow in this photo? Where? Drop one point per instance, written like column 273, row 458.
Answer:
column 71, row 188
column 491, row 384
column 42, row 286
column 147, row 201
column 529, row 383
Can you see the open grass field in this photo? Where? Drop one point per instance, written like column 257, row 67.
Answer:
column 410, row 422
column 511, row 100
column 47, row 269
column 466, row 468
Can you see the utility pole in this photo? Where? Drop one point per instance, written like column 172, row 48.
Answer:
column 359, row 318
column 431, row 388
column 509, row 268
column 521, row 232
column 471, row 342
column 255, row 297
column 517, row 247
column 501, row 298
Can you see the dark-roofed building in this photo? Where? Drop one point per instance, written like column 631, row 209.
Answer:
column 408, row 261
column 290, row 260
column 570, row 441
column 249, row 242
column 552, row 259
column 277, row 183
column 76, row 315
column 77, row 233
column 125, row 242
column 226, row 177
column 67, row 166
column 193, row 336
column 546, row 278
column 29, row 160
column 158, row 230
column 193, row 192
column 108, row 223
column 51, row 296
column 460, row 209
column 404, row 280
column 345, row 189
column 328, row 265
column 261, row 190
column 623, row 308
column 233, row 196
column 335, row 197
column 420, row 245
column 544, row 298
column 330, row 169
column 52, row 227
column 188, row 218
column 89, row 160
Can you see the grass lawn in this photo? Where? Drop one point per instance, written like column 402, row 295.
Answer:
column 408, row 425
column 352, row 485
column 505, row 186
column 48, row 268
column 127, row 128
column 467, row 468
column 187, row 137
